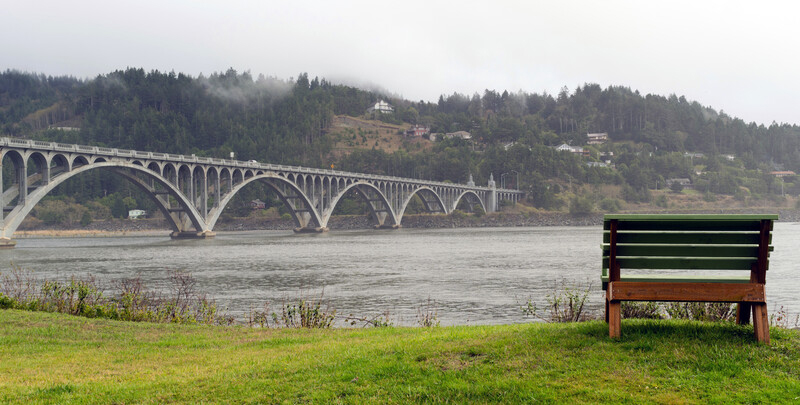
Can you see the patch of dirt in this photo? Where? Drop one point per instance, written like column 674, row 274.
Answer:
column 352, row 133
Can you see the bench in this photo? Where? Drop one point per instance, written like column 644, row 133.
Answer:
column 663, row 256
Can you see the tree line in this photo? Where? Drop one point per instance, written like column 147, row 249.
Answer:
column 288, row 122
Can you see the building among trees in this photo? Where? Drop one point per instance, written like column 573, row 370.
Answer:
column 134, row 214
column 381, row 107
column 418, row 130
column 597, row 139
column 571, row 149
column 458, row 134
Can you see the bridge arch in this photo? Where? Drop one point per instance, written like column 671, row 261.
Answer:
column 20, row 165
column 281, row 188
column 468, row 194
column 15, row 217
column 78, row 161
column 362, row 189
column 59, row 162
column 154, row 167
column 422, row 191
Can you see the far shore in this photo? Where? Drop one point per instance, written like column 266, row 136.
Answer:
column 152, row 226
column 83, row 233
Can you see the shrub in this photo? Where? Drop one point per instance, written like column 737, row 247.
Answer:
column 702, row 311
column 610, row 205
column 20, row 290
column 305, row 314
column 563, row 305
column 641, row 310
column 428, row 315
column 458, row 214
column 579, row 205
column 661, row 201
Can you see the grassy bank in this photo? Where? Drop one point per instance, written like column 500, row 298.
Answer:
column 51, row 358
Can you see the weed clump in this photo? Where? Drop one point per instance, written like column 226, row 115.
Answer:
column 564, row 304
column 20, row 289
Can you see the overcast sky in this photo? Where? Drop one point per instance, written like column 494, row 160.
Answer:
column 740, row 57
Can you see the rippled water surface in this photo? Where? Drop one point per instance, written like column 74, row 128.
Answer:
column 473, row 276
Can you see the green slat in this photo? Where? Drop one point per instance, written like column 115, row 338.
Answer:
column 687, row 251
column 686, row 238
column 682, row 263
column 642, row 250
column 724, row 226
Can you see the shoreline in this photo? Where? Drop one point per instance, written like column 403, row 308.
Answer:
column 144, row 227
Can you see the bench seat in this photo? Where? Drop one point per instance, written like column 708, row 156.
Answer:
column 668, row 278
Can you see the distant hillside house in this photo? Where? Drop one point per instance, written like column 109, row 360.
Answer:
column 133, row 214
column 458, row 134
column 783, row 173
column 684, row 182
column 257, row 205
column 597, row 139
column 381, row 107
column 417, row 131
column 571, row 149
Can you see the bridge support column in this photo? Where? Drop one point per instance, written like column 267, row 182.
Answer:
column 7, row 243
column 192, row 235
column 491, row 197
column 388, row 226
column 311, row 230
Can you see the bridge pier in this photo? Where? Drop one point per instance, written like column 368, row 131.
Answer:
column 7, row 243
column 192, row 235
column 307, row 229
column 385, row 226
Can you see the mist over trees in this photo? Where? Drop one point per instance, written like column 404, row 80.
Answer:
column 288, row 122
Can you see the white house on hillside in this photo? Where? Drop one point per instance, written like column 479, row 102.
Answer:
column 381, row 107
column 568, row 148
column 458, row 134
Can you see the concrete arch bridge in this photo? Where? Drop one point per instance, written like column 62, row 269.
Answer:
column 192, row 191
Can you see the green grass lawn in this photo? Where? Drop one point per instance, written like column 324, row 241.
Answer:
column 52, row 358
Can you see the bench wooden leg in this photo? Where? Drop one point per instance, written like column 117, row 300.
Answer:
column 614, row 328
column 606, row 311
column 761, row 323
column 743, row 313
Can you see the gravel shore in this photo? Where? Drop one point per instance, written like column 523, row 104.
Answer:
column 122, row 226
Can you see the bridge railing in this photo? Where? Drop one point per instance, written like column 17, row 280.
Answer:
column 63, row 147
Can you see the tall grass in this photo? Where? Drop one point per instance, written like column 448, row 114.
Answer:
column 132, row 301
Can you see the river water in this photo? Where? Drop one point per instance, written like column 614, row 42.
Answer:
column 464, row 276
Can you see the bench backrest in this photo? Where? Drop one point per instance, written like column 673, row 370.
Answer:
column 687, row 242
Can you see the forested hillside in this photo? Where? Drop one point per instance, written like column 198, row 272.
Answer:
column 289, row 122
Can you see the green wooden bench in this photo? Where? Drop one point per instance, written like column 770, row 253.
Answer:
column 663, row 256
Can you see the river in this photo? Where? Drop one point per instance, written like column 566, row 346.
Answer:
column 465, row 276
